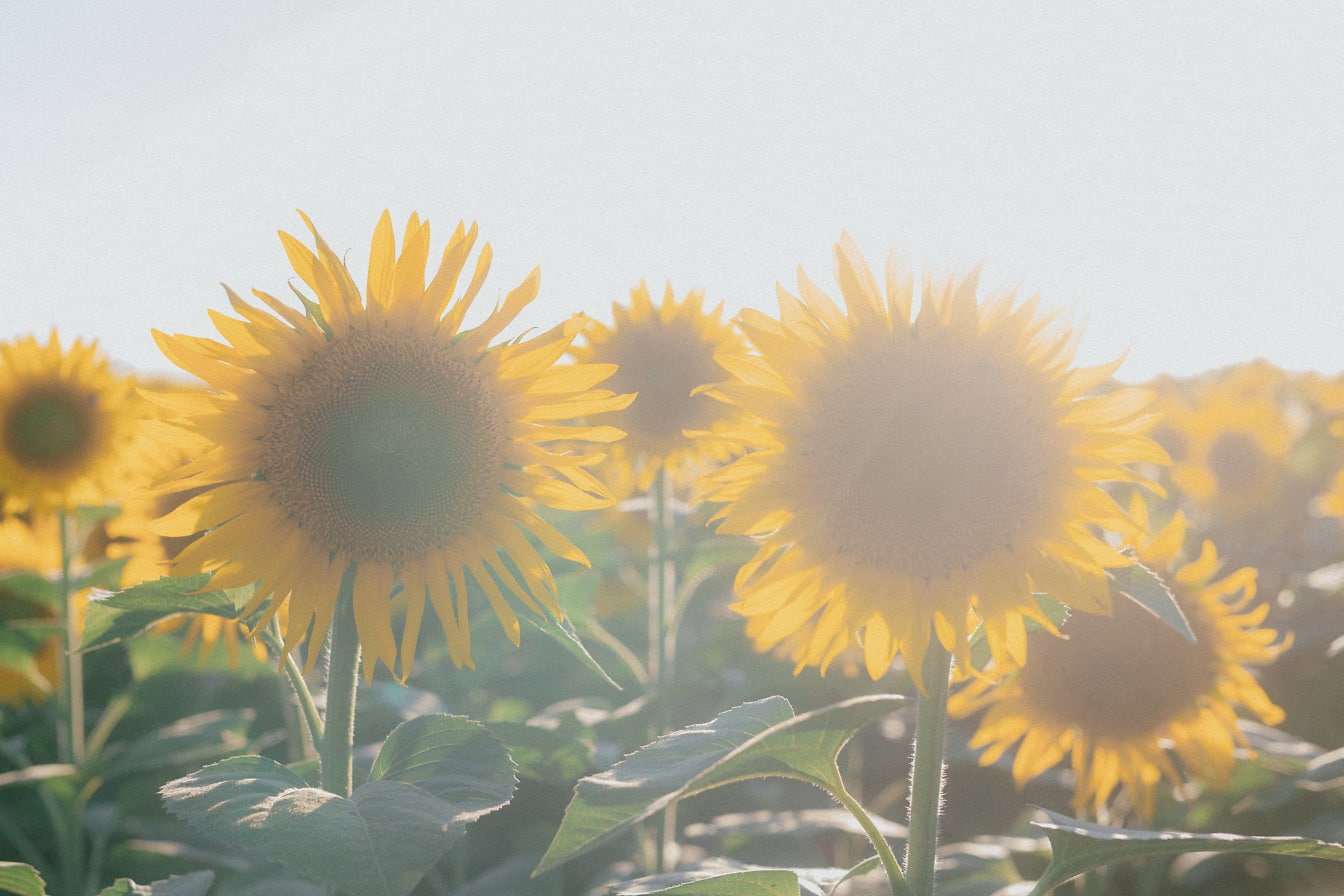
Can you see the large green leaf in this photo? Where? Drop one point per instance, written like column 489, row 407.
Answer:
column 763, row 882
column 1141, row 585
column 196, row 883
column 125, row 614
column 1080, row 846
column 434, row 775
column 16, row 877
column 759, row 739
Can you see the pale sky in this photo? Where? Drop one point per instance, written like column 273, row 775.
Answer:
column 1172, row 173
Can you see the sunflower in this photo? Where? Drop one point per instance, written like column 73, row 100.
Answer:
column 1117, row 691
column 910, row 475
column 68, row 431
column 374, row 436
column 1235, row 435
column 664, row 354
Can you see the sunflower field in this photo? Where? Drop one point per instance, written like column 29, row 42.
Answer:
column 877, row 593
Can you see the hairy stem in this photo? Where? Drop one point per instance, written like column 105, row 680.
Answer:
column 926, row 774
column 338, row 734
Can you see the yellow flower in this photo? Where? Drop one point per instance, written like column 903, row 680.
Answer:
column 911, row 473
column 1235, row 435
column 1117, row 690
column 376, row 436
column 664, row 354
column 68, row 432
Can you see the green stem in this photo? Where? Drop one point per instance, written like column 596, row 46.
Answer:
column 661, row 648
column 895, row 878
column 926, row 774
column 72, row 685
column 338, row 735
column 274, row 641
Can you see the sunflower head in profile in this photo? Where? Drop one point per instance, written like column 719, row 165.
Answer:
column 1118, row 695
column 371, row 439
column 908, row 475
column 664, row 354
column 68, row 429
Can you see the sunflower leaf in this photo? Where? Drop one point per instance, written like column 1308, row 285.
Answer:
column 1080, row 846
column 755, row 882
column 755, row 740
column 433, row 776
column 124, row 614
column 21, row 879
column 1141, row 585
column 195, row 883
column 567, row 636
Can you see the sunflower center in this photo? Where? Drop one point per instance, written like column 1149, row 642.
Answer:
column 1121, row 676
column 1237, row 461
column 663, row 363
column 51, row 428
column 921, row 458
column 385, row 445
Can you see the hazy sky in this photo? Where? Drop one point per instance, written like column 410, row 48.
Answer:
column 1171, row 173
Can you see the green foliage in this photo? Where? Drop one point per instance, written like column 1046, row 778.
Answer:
column 21, row 879
column 125, row 614
column 434, row 775
column 197, row 883
column 1080, row 846
column 755, row 740
column 1141, row 585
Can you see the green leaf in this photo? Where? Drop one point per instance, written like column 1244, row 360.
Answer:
column 105, row 576
column 759, row 739
column 16, row 877
column 1141, row 585
column 434, row 775
column 451, row 757
column 1080, row 846
column 563, row 753
column 196, row 883
column 763, row 882
column 125, row 614
column 564, row 634
column 88, row 514
column 30, row 588
column 190, row 741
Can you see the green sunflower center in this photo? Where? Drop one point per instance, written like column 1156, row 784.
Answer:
column 385, row 446
column 1126, row 675
column 664, row 363
column 1237, row 461
column 51, row 428
column 920, row 458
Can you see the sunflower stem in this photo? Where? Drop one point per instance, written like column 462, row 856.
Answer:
column 72, row 688
column 926, row 774
column 895, row 878
column 275, row 641
column 338, row 733
column 662, row 575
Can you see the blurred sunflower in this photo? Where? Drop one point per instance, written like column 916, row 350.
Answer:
column 1236, row 435
column 911, row 473
column 375, row 436
column 68, row 430
column 1116, row 691
column 664, row 354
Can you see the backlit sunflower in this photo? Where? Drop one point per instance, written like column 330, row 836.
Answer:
column 664, row 353
column 376, row 435
column 68, row 431
column 1235, row 434
column 911, row 473
column 1117, row 691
